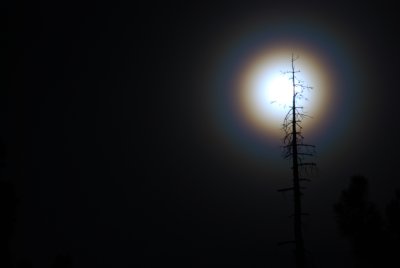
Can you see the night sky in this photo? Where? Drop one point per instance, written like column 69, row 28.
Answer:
column 123, row 152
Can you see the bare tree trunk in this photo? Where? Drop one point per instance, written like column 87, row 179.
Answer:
column 295, row 148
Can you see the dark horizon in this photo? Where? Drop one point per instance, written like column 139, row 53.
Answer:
column 111, row 146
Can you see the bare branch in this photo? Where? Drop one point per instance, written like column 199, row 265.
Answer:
column 298, row 151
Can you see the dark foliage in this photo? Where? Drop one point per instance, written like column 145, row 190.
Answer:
column 393, row 229
column 374, row 238
column 8, row 204
column 7, row 221
column 62, row 261
column 25, row 263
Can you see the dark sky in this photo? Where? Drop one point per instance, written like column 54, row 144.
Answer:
column 115, row 165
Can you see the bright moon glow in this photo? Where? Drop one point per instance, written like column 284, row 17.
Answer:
column 272, row 91
column 250, row 95
column 266, row 90
column 279, row 89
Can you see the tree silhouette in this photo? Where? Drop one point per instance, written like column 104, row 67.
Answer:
column 375, row 240
column 25, row 263
column 297, row 150
column 393, row 228
column 8, row 203
column 62, row 261
column 8, row 216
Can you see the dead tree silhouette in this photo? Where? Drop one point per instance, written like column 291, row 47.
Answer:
column 297, row 150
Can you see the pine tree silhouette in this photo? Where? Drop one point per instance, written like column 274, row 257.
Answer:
column 8, row 207
column 393, row 229
column 62, row 261
column 375, row 239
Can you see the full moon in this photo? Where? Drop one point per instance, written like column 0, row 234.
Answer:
column 265, row 88
column 271, row 90
column 280, row 90
column 250, row 88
